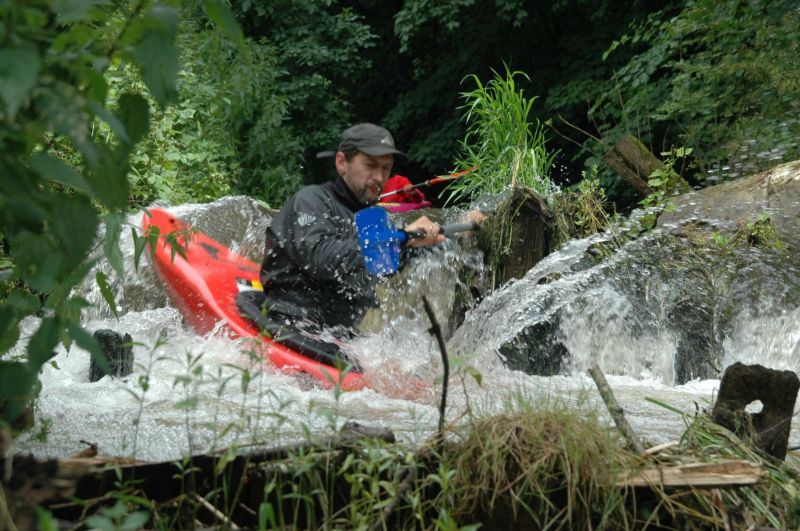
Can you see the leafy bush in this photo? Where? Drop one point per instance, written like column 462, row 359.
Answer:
column 295, row 102
column 61, row 172
column 721, row 77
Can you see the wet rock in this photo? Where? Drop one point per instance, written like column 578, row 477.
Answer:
column 776, row 390
column 538, row 349
column 119, row 352
column 774, row 193
column 698, row 350
column 677, row 292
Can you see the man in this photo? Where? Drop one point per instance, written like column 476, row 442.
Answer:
column 313, row 273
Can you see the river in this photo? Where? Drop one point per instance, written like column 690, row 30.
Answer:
column 191, row 394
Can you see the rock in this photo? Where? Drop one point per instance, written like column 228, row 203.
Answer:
column 774, row 193
column 664, row 303
column 777, row 391
column 119, row 352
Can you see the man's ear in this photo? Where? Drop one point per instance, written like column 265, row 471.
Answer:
column 341, row 163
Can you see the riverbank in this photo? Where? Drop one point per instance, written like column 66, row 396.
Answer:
column 554, row 467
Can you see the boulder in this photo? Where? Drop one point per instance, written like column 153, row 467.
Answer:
column 664, row 303
column 774, row 193
column 119, row 353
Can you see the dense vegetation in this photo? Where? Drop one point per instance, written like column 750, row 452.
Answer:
column 107, row 106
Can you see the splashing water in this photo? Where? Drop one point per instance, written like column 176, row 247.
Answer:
column 191, row 394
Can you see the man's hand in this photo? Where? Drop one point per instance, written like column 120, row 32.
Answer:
column 475, row 216
column 431, row 230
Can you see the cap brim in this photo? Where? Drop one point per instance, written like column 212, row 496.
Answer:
column 379, row 151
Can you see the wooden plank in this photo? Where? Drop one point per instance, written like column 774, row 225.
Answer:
column 699, row 475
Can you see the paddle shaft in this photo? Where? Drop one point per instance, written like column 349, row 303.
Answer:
column 429, row 182
column 447, row 230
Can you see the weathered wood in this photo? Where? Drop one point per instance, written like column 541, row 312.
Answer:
column 633, row 171
column 635, row 163
column 55, row 484
column 777, row 390
column 699, row 475
column 515, row 235
column 615, row 410
column 661, row 447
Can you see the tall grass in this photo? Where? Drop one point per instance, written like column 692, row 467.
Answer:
column 502, row 141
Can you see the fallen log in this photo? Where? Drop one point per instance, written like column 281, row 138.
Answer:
column 632, row 161
column 57, row 484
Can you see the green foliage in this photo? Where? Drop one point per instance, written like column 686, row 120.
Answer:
column 663, row 181
column 188, row 154
column 500, row 141
column 720, row 77
column 118, row 518
column 67, row 137
column 760, row 231
column 581, row 212
column 297, row 103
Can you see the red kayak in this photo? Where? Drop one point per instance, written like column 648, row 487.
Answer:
column 203, row 281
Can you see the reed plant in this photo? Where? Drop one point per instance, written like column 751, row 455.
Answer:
column 503, row 141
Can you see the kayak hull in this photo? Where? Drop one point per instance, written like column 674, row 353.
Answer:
column 200, row 276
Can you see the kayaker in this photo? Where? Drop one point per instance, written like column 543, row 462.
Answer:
column 313, row 272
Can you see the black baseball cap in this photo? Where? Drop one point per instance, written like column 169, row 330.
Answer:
column 367, row 138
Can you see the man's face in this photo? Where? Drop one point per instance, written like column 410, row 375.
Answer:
column 364, row 174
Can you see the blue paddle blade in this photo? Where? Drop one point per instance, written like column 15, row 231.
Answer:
column 380, row 241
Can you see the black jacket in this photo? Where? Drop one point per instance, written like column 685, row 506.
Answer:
column 313, row 269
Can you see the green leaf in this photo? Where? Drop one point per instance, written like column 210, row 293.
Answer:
column 37, row 259
column 472, row 371
column 42, row 343
column 74, row 225
column 75, row 10
column 9, row 328
column 108, row 178
column 111, row 243
column 113, row 122
column 134, row 113
column 105, row 290
column 219, row 12
column 135, row 520
column 24, row 302
column 87, row 342
column 156, row 53
column 64, row 111
column 57, row 171
column 103, row 523
column 16, row 385
column 46, row 520
column 19, row 69
column 139, row 243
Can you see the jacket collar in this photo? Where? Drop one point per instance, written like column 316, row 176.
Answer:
column 342, row 192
